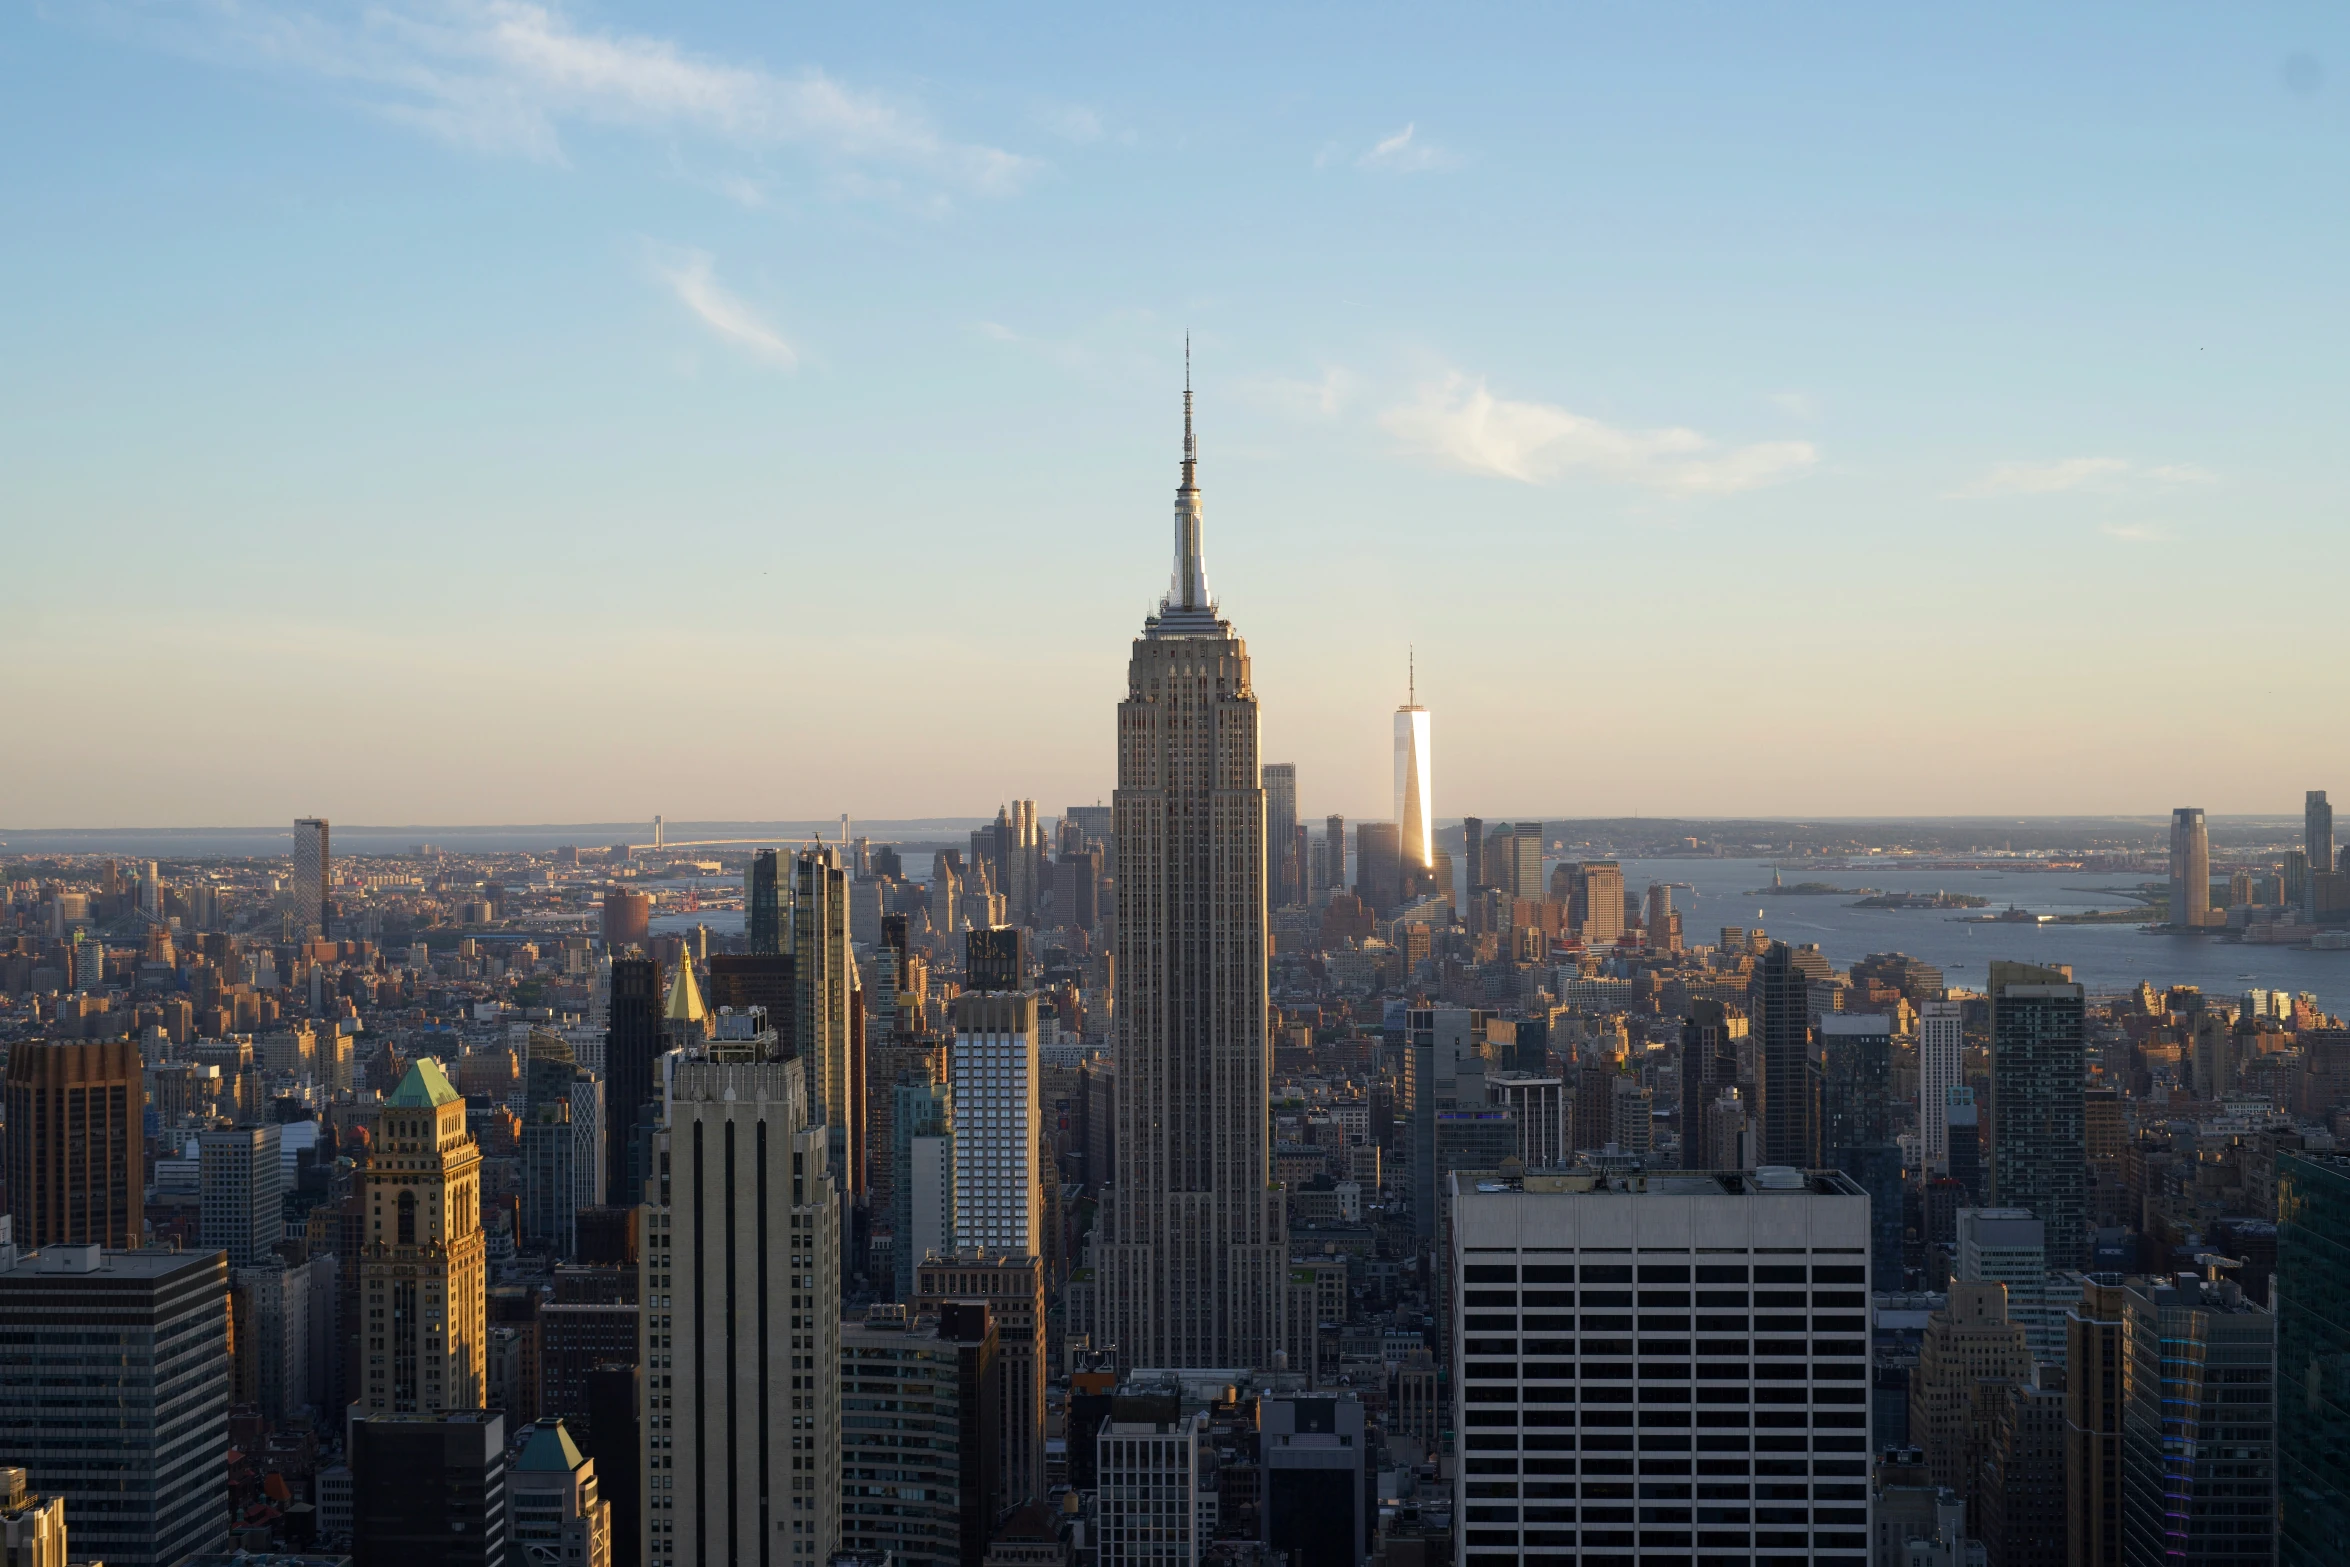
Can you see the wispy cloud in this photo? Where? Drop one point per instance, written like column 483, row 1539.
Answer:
column 1796, row 405
column 1404, row 153
column 1458, row 422
column 504, row 76
column 693, row 278
column 2075, row 473
column 2133, row 532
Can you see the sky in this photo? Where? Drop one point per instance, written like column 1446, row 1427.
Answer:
column 478, row 410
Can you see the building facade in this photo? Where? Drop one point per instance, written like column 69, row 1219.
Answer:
column 423, row 1267
column 2312, row 1295
column 824, row 975
column 75, row 1143
column 1415, row 812
column 114, row 1389
column 1941, row 1057
column 1285, row 877
column 1778, row 1008
column 740, row 1337
column 994, row 1067
column 313, row 872
column 2199, row 1436
column 241, row 1175
column 1147, row 1503
column 2039, row 1085
column 558, row 1514
column 1012, row 1290
column 1669, row 1363
column 2190, row 868
column 918, row 1464
column 429, row 1490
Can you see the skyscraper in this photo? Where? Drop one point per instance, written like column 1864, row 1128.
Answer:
column 996, row 1072
column 1594, row 894
column 1538, row 1261
column 75, row 1143
column 2095, row 1372
column 1852, row 1056
column 1659, row 918
column 631, row 1042
column 2190, row 868
column 242, row 1189
column 1941, row 1053
column 114, row 1390
column 764, row 905
column 2199, row 1432
column 824, row 972
column 2039, row 1157
column 1415, row 816
column 922, row 1174
column 1193, row 1263
column 423, row 1274
column 1709, row 1064
column 1473, row 852
column 2317, row 823
column 995, row 958
column 740, row 1339
column 1526, row 860
column 312, row 868
column 2311, row 1288
column 1778, row 1008
column 1285, row 875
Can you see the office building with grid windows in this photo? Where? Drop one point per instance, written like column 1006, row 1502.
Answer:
column 1662, row 1368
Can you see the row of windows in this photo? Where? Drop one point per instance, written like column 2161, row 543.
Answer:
column 1664, row 1273
column 1739, row 1347
column 1705, row 1322
column 1475, row 1299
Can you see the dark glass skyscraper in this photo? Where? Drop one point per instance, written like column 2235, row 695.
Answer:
column 632, row 1038
column 1852, row 1064
column 1778, row 1001
column 2312, row 1292
column 764, row 904
column 995, row 957
column 743, row 980
column 1709, row 1064
column 2039, row 1086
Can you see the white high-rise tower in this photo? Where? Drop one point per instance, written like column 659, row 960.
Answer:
column 1193, row 1256
column 1415, row 816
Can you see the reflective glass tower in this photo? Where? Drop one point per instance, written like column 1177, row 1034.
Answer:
column 2312, row 1294
column 1415, row 816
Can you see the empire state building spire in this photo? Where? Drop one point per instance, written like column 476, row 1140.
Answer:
column 1187, row 588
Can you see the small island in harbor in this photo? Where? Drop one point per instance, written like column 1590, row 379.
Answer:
column 1809, row 889
column 1922, row 900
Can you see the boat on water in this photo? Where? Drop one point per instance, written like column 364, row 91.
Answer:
column 2011, row 915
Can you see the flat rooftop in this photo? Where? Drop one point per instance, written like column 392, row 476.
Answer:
column 1769, row 1182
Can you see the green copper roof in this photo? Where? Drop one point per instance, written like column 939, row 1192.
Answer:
column 425, row 1086
column 550, row 1448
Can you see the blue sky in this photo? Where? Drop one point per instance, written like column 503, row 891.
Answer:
column 458, row 411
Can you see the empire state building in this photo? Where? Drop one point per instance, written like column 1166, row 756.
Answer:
column 1194, row 1267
